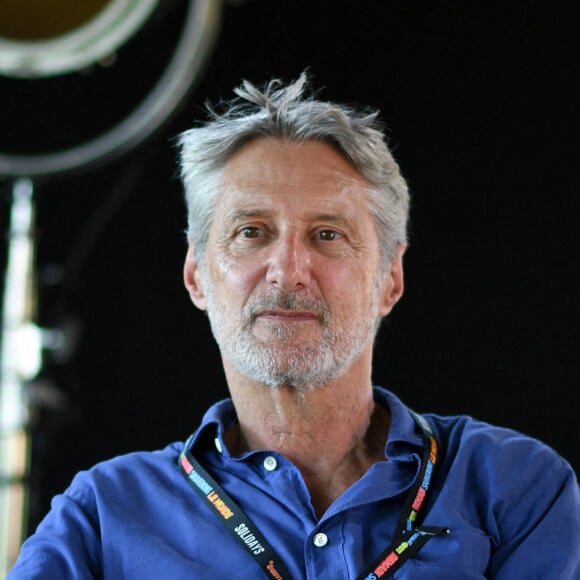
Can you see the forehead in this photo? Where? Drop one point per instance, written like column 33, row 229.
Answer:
column 299, row 173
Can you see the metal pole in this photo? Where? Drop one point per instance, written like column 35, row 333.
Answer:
column 20, row 361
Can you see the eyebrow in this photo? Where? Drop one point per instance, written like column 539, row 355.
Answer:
column 239, row 214
column 245, row 213
column 333, row 218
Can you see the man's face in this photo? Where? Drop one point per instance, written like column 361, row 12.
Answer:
column 291, row 279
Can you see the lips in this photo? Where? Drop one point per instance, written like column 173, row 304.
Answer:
column 288, row 315
column 285, row 307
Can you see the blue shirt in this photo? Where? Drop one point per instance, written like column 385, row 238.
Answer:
column 511, row 503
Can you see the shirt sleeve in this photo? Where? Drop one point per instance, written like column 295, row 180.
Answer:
column 539, row 530
column 66, row 544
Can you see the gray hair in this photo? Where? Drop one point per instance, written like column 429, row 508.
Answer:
column 285, row 112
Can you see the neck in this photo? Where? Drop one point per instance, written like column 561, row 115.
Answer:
column 333, row 433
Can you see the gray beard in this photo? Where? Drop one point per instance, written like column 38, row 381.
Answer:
column 302, row 366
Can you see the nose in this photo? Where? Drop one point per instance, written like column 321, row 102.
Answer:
column 289, row 264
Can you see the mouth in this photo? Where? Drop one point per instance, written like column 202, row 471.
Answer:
column 283, row 315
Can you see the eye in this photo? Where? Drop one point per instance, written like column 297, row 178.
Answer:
column 251, row 232
column 328, row 235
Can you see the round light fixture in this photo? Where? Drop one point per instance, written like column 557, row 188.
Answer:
column 42, row 57
column 41, row 39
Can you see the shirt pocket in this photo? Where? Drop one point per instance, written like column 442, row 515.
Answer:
column 463, row 554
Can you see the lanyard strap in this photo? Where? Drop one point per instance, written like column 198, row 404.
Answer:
column 232, row 516
column 408, row 540
column 409, row 536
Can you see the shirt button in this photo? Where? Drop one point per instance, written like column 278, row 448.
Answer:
column 270, row 463
column 218, row 445
column 320, row 540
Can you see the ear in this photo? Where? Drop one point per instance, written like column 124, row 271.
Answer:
column 193, row 281
column 393, row 282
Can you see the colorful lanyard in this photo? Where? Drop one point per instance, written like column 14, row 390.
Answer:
column 232, row 516
column 409, row 537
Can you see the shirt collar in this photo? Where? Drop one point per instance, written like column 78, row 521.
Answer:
column 213, row 425
column 404, row 436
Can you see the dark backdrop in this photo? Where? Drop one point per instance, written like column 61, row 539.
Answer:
column 480, row 100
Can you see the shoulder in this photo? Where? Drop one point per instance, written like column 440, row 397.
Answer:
column 494, row 450
column 131, row 473
column 99, row 514
column 465, row 437
column 510, row 476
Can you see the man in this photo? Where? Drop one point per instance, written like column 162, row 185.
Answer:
column 297, row 227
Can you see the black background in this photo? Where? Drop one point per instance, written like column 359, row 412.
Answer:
column 480, row 100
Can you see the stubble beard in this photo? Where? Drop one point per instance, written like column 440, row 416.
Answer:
column 285, row 358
